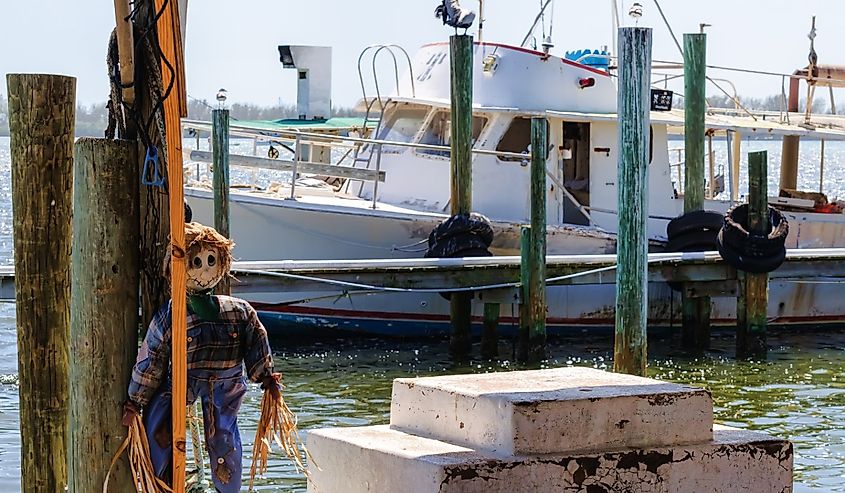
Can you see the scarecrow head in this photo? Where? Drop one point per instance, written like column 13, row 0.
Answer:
column 208, row 257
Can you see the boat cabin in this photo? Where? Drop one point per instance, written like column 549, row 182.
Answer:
column 510, row 86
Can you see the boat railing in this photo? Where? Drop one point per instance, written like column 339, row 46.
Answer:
column 377, row 50
column 366, row 158
column 297, row 140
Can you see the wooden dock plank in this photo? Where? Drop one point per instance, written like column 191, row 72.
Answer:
column 699, row 268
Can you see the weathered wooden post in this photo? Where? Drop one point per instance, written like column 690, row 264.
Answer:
column 220, row 181
column 41, row 122
column 791, row 143
column 104, row 308
column 736, row 159
column 630, row 353
column 696, row 311
column 525, row 248
column 461, row 56
column 753, row 299
column 533, row 336
column 490, row 331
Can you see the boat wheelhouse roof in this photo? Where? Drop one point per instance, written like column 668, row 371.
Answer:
column 762, row 123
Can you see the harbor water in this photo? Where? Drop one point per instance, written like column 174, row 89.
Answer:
column 797, row 393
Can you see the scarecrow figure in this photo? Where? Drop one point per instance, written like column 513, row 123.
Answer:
column 226, row 345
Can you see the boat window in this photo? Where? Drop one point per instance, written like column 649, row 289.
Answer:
column 439, row 132
column 517, row 138
column 402, row 126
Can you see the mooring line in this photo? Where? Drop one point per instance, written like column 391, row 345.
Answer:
column 369, row 287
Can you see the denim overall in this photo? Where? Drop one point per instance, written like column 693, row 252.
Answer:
column 221, row 393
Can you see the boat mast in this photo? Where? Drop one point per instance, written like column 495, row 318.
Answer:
column 480, row 21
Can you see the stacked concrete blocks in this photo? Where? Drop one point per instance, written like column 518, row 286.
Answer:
column 562, row 430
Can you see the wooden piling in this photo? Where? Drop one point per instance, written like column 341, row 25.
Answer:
column 220, row 181
column 736, row 159
column 461, row 56
column 630, row 353
column 490, row 331
column 791, row 143
column 41, row 122
column 695, row 311
column 533, row 340
column 155, row 222
column 104, row 308
column 125, row 49
column 753, row 299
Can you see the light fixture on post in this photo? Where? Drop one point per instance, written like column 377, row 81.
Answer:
column 221, row 98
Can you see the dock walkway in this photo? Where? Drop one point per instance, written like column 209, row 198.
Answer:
column 702, row 272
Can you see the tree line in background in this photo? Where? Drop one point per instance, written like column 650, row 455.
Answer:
column 821, row 103
column 91, row 120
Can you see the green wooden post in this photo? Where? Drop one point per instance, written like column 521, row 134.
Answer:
column 220, row 180
column 695, row 311
column 630, row 353
column 461, row 57
column 525, row 248
column 489, row 334
column 754, row 297
column 104, row 308
column 534, row 285
column 41, row 122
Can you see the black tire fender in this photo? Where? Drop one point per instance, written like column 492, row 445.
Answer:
column 694, row 221
column 748, row 263
column 459, row 224
column 736, row 235
column 693, row 241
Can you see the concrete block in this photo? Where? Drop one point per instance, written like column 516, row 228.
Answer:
column 551, row 411
column 379, row 459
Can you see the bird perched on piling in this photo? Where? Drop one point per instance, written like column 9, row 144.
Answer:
column 454, row 15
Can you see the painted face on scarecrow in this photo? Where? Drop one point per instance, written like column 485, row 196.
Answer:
column 209, row 257
column 205, row 269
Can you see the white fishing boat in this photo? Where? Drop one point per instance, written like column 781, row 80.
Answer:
column 388, row 184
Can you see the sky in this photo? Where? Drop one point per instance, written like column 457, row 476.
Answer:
column 233, row 44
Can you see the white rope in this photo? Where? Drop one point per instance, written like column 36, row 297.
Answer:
column 391, row 289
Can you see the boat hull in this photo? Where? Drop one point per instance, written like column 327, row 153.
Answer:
column 273, row 229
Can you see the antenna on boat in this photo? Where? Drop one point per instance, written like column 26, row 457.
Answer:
column 812, row 72
column 547, row 41
column 534, row 25
column 480, row 20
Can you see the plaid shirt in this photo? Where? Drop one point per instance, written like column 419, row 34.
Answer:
column 236, row 338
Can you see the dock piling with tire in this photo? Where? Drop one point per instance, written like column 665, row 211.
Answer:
column 461, row 56
column 753, row 293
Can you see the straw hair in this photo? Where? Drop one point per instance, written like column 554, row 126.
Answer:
column 277, row 424
column 197, row 236
column 143, row 473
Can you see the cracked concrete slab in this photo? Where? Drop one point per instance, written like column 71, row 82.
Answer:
column 380, row 459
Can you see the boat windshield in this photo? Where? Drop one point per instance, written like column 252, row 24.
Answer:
column 402, row 126
column 439, row 131
column 517, row 138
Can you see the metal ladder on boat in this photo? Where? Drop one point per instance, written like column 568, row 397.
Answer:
column 363, row 154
